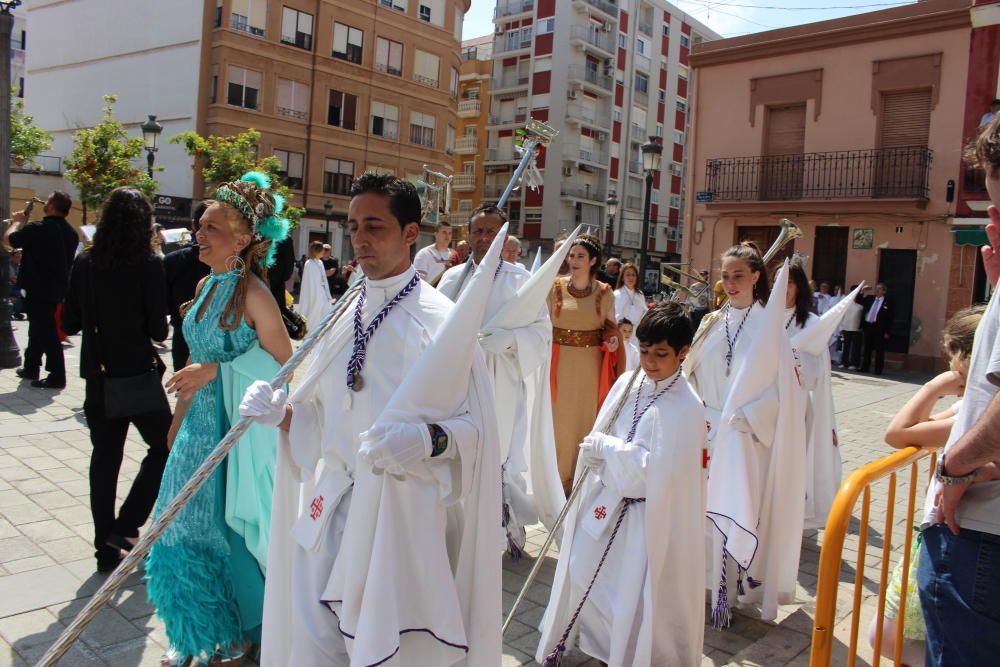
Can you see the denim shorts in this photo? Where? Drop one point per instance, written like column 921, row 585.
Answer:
column 959, row 580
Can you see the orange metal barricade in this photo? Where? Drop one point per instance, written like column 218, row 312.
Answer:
column 831, row 553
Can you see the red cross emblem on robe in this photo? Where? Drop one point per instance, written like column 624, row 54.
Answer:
column 316, row 508
column 601, row 512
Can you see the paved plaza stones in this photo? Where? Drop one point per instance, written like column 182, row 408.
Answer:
column 47, row 565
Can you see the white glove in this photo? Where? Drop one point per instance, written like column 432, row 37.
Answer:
column 394, row 447
column 498, row 341
column 264, row 404
column 592, row 450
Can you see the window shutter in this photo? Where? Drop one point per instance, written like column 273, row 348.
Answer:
column 350, row 107
column 906, row 118
column 786, row 130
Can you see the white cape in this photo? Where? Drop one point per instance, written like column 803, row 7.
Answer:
column 659, row 619
column 314, row 295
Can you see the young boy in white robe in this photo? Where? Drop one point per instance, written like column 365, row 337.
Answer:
column 629, row 585
column 627, row 327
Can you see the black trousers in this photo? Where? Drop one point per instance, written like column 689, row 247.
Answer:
column 43, row 339
column 850, row 355
column 874, row 342
column 179, row 351
column 108, row 439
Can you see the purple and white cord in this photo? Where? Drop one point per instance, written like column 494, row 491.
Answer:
column 731, row 342
column 362, row 336
column 636, row 413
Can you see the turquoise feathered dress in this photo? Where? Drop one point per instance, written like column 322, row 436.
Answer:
column 205, row 575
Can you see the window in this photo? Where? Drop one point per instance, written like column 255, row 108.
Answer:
column 431, row 11
column 291, row 168
column 449, row 142
column 249, row 16
column 398, row 5
column 641, row 83
column 348, row 43
column 293, row 99
column 244, row 88
column 655, row 197
column 685, row 41
column 678, row 137
column 682, row 106
column 425, row 68
column 675, row 201
column 659, row 129
column 545, row 26
column 622, row 40
column 385, row 120
column 666, row 30
column 338, row 175
column 213, row 90
column 296, row 28
column 454, row 83
column 459, row 21
column 217, row 22
column 617, row 115
column 341, row 110
column 641, row 46
column 389, row 56
column 663, row 96
column 421, row 129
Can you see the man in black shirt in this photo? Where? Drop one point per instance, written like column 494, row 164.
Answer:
column 279, row 272
column 47, row 249
column 184, row 271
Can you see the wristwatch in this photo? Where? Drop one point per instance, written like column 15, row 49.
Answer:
column 439, row 440
column 941, row 475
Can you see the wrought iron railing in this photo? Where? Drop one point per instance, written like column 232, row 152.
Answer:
column 595, row 37
column 512, row 7
column 581, row 73
column 609, row 8
column 878, row 173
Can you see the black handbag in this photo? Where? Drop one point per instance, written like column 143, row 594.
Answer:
column 133, row 395
column 295, row 324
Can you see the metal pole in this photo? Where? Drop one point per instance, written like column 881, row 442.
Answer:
column 644, row 241
column 197, row 480
column 10, row 355
column 530, row 145
column 150, row 158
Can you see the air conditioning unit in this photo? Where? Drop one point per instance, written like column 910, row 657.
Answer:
column 498, row 30
column 602, row 136
column 567, row 171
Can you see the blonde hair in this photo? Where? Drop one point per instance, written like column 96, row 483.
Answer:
column 984, row 150
column 960, row 331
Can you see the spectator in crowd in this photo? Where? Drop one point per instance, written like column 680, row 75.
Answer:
column 314, row 297
column 159, row 239
column 990, row 115
column 875, row 327
column 462, row 252
column 957, row 575
column 698, row 302
column 16, row 300
column 512, row 251
column 612, row 268
column 630, row 302
column 331, row 265
column 433, row 260
column 48, row 248
column 850, row 329
column 183, row 271
column 117, row 297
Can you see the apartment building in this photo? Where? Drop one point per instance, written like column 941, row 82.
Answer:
column 334, row 86
column 473, row 114
column 607, row 75
column 852, row 128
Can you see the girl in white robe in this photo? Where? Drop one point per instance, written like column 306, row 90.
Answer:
column 630, row 302
column 314, row 295
column 823, row 462
column 755, row 506
column 646, row 456
column 627, row 327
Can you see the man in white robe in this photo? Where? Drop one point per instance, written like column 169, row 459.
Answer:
column 514, row 357
column 648, row 454
column 376, row 532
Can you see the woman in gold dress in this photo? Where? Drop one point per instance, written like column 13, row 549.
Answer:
column 586, row 353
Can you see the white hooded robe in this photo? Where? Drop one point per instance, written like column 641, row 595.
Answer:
column 314, row 294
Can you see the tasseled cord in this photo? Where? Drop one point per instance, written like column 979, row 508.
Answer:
column 721, row 613
column 554, row 659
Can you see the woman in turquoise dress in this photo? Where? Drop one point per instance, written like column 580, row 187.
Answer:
column 206, row 573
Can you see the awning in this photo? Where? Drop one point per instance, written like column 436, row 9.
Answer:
column 975, row 236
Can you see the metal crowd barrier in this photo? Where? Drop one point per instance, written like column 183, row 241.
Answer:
column 831, row 554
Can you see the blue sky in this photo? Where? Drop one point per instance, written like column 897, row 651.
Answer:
column 727, row 17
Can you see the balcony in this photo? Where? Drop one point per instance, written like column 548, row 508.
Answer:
column 880, row 173
column 638, row 133
column 635, row 166
column 509, row 8
column 590, row 79
column 593, row 156
column 600, row 40
column 469, row 108
column 608, row 9
column 463, row 182
column 292, row 113
column 512, row 43
column 425, row 80
column 44, row 164
column 509, row 82
column 642, row 62
column 466, row 145
column 502, row 155
column 585, row 192
column 519, row 118
column 633, row 202
column 646, row 28
column 493, row 191
column 641, row 98
column 577, row 114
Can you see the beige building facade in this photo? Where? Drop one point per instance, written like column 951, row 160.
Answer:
column 853, row 130
column 473, row 116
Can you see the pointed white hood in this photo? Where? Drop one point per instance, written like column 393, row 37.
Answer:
column 816, row 338
column 538, row 260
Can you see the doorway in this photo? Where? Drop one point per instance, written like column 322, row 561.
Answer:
column 829, row 260
column 764, row 236
column 897, row 269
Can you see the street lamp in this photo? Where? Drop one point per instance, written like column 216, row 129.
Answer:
column 10, row 355
column 652, row 153
column 328, row 211
column 612, row 204
column 151, row 140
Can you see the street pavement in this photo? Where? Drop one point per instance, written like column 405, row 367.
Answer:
column 47, row 566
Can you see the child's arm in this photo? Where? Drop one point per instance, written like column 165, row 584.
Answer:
column 914, row 424
column 621, row 465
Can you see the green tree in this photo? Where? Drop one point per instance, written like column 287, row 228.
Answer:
column 102, row 160
column 26, row 139
column 227, row 158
